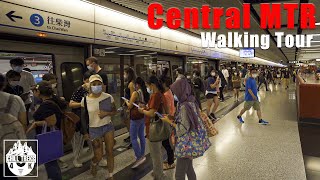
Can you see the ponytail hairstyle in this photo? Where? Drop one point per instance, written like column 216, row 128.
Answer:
column 45, row 88
column 143, row 86
column 154, row 80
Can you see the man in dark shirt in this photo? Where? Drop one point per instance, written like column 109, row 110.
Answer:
column 286, row 77
column 93, row 65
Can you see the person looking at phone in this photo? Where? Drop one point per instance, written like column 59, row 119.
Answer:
column 187, row 118
column 98, row 107
column 155, row 104
column 137, row 121
column 26, row 82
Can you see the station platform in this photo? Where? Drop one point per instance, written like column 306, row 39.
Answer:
column 239, row 151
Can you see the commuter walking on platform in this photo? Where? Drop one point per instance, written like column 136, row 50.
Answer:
column 251, row 97
column 222, row 84
column 98, row 107
column 48, row 113
column 226, row 75
column 192, row 139
column 286, row 77
column 211, row 94
column 263, row 80
column 75, row 104
column 137, row 122
column 198, row 87
column 129, row 77
column 26, row 82
column 236, row 80
column 155, row 104
column 93, row 65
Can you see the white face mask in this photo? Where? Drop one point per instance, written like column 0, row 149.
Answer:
column 254, row 75
column 213, row 74
column 90, row 68
column 14, row 83
column 96, row 89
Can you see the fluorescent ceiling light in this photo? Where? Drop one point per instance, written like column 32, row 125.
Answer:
column 136, row 50
column 126, row 54
column 318, row 24
column 109, row 52
column 318, row 60
column 142, row 55
column 112, row 48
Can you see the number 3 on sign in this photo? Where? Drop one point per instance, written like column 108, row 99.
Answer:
column 36, row 20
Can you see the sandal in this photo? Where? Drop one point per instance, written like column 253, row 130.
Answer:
column 166, row 166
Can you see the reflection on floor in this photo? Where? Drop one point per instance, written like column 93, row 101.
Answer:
column 248, row 151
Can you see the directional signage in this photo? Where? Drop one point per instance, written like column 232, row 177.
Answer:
column 27, row 19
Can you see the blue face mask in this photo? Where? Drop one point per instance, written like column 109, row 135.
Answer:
column 17, row 69
column 96, row 89
column 149, row 90
column 175, row 98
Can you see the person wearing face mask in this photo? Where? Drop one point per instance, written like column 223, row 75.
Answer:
column 50, row 114
column 211, row 94
column 155, row 104
column 13, row 87
column 262, row 80
column 129, row 78
column 251, row 98
column 197, row 86
column 26, row 82
column 179, row 73
column 137, row 121
column 75, row 104
column 236, row 80
column 93, row 65
column 98, row 107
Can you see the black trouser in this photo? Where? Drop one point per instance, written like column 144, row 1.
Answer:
column 221, row 93
column 265, row 83
column 27, row 111
column 53, row 170
column 197, row 94
column 170, row 153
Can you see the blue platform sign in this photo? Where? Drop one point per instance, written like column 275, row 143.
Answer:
column 36, row 20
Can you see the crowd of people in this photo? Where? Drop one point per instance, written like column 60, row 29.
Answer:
column 155, row 110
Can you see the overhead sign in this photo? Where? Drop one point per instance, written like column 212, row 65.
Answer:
column 247, row 53
column 25, row 18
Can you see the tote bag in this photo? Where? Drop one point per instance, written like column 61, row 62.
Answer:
column 50, row 145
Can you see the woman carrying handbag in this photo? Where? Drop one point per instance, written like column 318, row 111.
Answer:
column 191, row 136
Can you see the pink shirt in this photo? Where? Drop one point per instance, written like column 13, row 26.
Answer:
column 170, row 102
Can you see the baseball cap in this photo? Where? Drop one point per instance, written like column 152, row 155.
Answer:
column 95, row 77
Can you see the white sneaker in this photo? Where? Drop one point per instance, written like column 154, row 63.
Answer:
column 103, row 163
column 77, row 164
column 139, row 162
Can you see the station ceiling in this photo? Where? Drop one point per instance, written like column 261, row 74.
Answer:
column 274, row 53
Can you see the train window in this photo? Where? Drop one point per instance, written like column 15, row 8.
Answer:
column 36, row 63
column 72, row 78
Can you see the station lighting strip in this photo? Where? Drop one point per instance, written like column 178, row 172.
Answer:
column 227, row 51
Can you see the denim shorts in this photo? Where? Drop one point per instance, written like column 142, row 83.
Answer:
column 98, row 132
